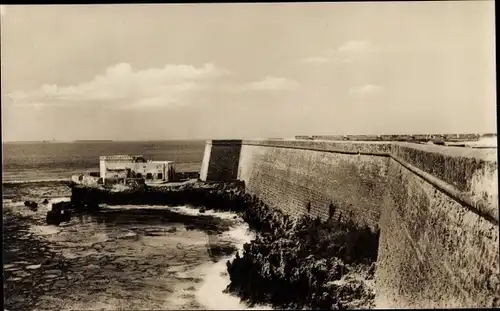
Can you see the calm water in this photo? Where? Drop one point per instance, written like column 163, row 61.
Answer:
column 124, row 257
column 39, row 161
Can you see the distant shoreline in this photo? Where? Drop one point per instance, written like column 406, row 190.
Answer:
column 94, row 141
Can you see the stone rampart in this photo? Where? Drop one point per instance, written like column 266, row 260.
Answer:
column 436, row 206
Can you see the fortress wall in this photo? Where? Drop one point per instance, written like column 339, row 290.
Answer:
column 220, row 161
column 433, row 250
column 436, row 207
column 206, row 160
column 472, row 172
column 289, row 179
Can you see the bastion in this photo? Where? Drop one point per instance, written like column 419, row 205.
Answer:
column 435, row 205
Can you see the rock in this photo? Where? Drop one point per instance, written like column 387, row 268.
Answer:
column 60, row 283
column 45, row 201
column 65, row 215
column 60, row 213
column 31, row 205
column 53, row 218
column 294, row 264
column 53, row 271
column 203, row 210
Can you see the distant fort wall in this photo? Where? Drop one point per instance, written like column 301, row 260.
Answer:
column 436, row 206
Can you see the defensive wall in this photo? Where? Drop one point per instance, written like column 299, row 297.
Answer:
column 436, row 206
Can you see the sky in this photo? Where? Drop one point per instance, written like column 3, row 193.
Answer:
column 201, row 71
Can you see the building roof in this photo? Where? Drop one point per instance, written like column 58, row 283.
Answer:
column 129, row 158
column 117, row 169
column 119, row 157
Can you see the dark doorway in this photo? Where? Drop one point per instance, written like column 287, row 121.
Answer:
column 160, row 176
column 149, row 176
column 138, row 175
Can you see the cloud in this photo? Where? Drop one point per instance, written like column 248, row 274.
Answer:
column 315, row 60
column 151, row 102
column 346, row 53
column 333, row 59
column 356, row 46
column 154, row 87
column 270, row 83
column 368, row 89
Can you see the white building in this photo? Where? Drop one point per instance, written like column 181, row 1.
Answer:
column 125, row 166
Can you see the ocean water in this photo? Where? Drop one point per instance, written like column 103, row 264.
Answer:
column 123, row 257
column 52, row 161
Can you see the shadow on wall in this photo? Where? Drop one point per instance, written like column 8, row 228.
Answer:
column 224, row 160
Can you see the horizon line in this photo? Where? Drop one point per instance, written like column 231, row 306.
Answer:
column 95, row 140
column 270, row 137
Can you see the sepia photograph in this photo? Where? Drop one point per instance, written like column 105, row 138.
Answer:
column 249, row 156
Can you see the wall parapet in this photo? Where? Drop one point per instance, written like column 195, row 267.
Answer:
column 401, row 137
column 224, row 142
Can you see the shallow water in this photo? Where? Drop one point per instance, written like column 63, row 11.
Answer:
column 123, row 257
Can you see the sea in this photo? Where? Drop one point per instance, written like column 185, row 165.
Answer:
column 124, row 257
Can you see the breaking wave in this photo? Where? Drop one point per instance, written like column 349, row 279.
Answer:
column 215, row 277
column 210, row 294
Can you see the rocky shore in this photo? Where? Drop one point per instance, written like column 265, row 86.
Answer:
column 293, row 263
column 310, row 265
column 122, row 257
column 24, row 281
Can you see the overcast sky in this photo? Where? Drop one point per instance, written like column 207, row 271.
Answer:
column 131, row 72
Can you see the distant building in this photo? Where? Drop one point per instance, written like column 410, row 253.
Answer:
column 125, row 166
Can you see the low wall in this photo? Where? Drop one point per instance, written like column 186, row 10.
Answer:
column 436, row 207
column 86, row 180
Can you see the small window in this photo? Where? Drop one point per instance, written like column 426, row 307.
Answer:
column 139, row 175
column 160, row 176
column 149, row 176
